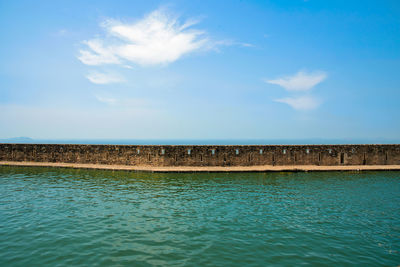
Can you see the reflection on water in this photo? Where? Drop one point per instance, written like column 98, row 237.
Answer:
column 85, row 217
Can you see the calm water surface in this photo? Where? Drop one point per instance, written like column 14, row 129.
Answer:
column 66, row 217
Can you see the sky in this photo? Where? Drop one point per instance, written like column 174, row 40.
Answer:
column 200, row 69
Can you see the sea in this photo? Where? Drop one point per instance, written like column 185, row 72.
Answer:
column 77, row 217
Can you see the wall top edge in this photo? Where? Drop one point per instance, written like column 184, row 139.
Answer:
column 137, row 145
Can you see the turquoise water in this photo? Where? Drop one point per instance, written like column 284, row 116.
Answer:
column 82, row 217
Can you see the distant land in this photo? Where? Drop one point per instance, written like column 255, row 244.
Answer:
column 311, row 141
column 18, row 140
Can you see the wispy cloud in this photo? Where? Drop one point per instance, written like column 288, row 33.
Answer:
column 301, row 81
column 158, row 38
column 104, row 78
column 126, row 102
column 301, row 103
column 247, row 45
column 98, row 54
column 107, row 100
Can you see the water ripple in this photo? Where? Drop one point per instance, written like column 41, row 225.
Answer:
column 84, row 217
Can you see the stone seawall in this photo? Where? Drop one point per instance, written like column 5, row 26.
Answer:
column 204, row 155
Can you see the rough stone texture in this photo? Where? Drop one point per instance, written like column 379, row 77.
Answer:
column 248, row 155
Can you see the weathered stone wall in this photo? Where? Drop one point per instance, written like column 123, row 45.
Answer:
column 207, row 155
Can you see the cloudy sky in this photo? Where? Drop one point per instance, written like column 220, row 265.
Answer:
column 200, row 69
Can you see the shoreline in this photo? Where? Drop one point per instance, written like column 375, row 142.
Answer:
column 194, row 169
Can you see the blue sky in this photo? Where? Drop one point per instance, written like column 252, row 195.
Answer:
column 200, row 69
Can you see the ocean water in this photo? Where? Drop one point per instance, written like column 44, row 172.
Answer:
column 63, row 217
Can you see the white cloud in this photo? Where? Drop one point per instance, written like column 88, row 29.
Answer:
column 300, row 103
column 301, row 81
column 104, row 78
column 158, row 38
column 98, row 54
